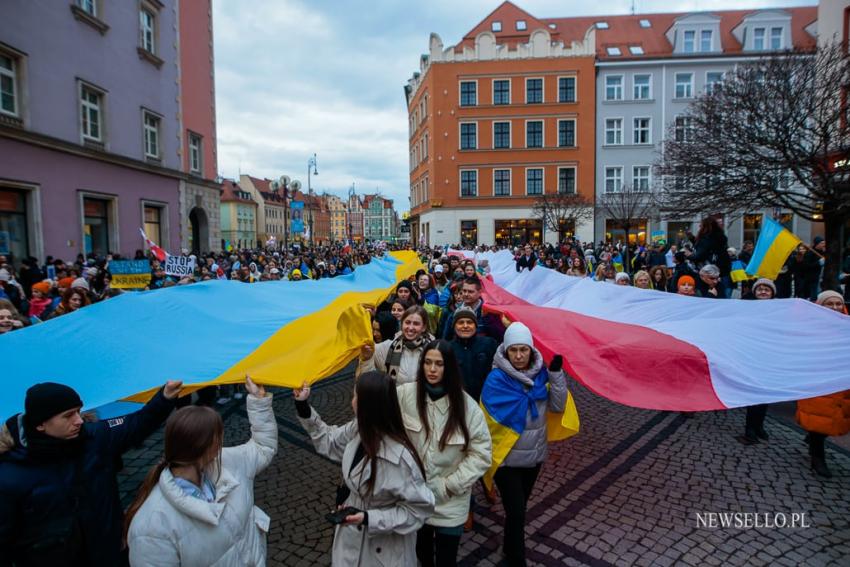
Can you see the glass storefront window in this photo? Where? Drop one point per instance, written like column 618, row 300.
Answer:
column 676, row 231
column 614, row 231
column 96, row 226
column 752, row 226
column 469, row 233
column 566, row 229
column 13, row 225
column 517, row 232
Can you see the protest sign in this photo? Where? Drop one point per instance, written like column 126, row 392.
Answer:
column 179, row 266
column 130, row 274
column 659, row 236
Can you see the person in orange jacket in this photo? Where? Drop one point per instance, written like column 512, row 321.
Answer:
column 825, row 415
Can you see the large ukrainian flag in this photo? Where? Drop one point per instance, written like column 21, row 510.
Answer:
column 773, row 247
column 281, row 333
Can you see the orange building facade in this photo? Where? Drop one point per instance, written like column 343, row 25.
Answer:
column 495, row 122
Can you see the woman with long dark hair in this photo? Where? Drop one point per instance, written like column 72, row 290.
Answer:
column 196, row 506
column 451, row 436
column 384, row 479
column 399, row 356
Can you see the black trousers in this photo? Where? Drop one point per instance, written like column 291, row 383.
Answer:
column 515, row 486
column 431, row 545
column 817, row 446
column 755, row 418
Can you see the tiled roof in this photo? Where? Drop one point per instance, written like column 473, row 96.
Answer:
column 229, row 193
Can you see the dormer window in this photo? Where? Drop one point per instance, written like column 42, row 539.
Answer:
column 636, row 49
column 776, row 38
column 705, row 40
column 601, row 25
column 521, row 25
column 688, row 41
column 645, row 24
column 758, row 39
column 553, row 26
column 496, row 26
column 614, row 51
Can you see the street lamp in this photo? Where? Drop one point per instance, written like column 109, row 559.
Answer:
column 311, row 163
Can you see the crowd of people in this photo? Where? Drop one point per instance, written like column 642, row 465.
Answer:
column 439, row 367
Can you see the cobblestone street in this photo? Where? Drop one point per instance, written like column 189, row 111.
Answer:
column 625, row 491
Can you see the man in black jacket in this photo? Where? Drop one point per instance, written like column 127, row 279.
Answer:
column 527, row 261
column 474, row 352
column 59, row 502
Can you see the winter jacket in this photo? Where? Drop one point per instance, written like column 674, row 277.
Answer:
column 712, row 249
column 526, row 262
column 174, row 528
column 407, row 369
column 489, row 324
column 531, row 447
column 828, row 415
column 450, row 472
column 68, row 512
column 396, row 508
column 475, row 361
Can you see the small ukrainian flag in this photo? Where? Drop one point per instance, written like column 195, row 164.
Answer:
column 738, row 272
column 774, row 245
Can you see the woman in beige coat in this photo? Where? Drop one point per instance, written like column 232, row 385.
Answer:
column 399, row 356
column 384, row 480
column 453, row 441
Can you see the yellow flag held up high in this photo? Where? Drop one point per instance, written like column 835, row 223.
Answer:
column 774, row 245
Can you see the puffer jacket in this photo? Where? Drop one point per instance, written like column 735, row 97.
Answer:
column 450, row 472
column 397, row 507
column 407, row 369
column 828, row 415
column 173, row 528
column 532, row 446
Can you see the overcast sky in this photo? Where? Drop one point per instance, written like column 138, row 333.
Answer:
column 294, row 77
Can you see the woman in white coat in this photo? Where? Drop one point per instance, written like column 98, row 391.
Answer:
column 450, row 433
column 196, row 507
column 399, row 356
column 383, row 476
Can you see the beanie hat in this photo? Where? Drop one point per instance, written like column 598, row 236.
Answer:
column 66, row 282
column 517, row 334
column 824, row 295
column 767, row 282
column 404, row 283
column 43, row 287
column 91, row 272
column 464, row 313
column 818, row 240
column 47, row 399
column 80, row 282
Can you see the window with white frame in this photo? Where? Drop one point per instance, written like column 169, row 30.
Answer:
column 533, row 91
column 566, row 133
column 501, row 182
column 8, row 84
column 641, row 131
column 88, row 6
column 705, row 37
column 91, row 109
column 613, row 179
column 194, row 153
column 640, row 178
column 684, row 85
column 501, row 135
column 641, row 87
column 502, row 91
column 521, row 25
column 636, row 50
column 534, row 181
column 534, row 134
column 712, row 80
column 758, row 38
column 613, row 131
column 614, row 87
column 152, row 137
column 147, row 30
column 614, row 51
column 468, row 93
column 566, row 89
column 688, row 41
column 776, row 38
column 468, row 135
column 683, row 131
column 567, row 180
column 468, row 183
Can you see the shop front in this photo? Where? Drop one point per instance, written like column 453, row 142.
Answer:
column 516, row 232
column 615, row 231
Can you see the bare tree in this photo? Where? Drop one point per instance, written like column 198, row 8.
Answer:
column 557, row 209
column 769, row 135
column 627, row 207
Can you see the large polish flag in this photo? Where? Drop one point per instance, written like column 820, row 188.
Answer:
column 656, row 350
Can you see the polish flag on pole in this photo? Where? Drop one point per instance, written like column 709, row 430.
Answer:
column 157, row 251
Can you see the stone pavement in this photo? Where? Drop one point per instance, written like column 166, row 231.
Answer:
column 625, row 491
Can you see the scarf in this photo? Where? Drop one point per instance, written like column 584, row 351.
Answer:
column 393, row 362
column 435, row 392
column 38, row 305
column 43, row 448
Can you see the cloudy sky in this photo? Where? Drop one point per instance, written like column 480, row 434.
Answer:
column 294, row 77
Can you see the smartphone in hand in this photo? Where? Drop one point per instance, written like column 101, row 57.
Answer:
column 339, row 516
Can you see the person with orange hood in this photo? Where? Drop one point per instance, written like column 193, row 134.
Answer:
column 825, row 416
column 41, row 303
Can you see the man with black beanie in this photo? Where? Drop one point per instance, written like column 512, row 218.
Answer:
column 59, row 502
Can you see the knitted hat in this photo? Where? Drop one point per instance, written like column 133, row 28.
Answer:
column 65, row 283
column 818, row 240
column 767, row 282
column 404, row 283
column 80, row 282
column 47, row 399
column 824, row 295
column 464, row 313
column 43, row 287
column 91, row 272
column 517, row 334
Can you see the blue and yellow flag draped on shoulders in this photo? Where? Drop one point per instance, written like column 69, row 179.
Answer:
column 506, row 403
column 281, row 333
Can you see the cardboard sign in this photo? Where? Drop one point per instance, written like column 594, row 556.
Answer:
column 179, row 266
column 130, row 274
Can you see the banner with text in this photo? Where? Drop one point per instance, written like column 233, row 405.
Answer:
column 130, row 274
column 179, row 266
